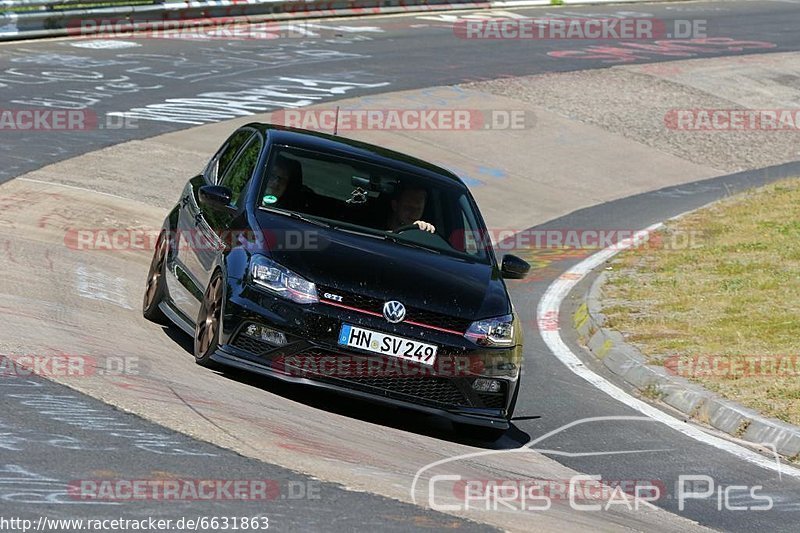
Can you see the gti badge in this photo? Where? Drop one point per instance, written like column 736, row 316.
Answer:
column 394, row 311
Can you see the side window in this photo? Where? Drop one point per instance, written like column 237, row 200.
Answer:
column 241, row 170
column 225, row 156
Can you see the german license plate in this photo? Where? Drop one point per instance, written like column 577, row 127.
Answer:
column 377, row 342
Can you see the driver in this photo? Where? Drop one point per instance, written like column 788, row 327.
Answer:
column 407, row 208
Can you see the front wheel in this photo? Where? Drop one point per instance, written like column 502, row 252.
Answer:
column 209, row 320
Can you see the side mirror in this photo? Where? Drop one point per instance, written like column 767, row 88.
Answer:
column 215, row 196
column 514, row 268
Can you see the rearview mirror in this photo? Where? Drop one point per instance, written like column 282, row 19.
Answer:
column 514, row 268
column 374, row 184
column 215, row 196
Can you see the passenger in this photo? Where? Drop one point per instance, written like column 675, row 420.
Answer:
column 407, row 208
column 284, row 187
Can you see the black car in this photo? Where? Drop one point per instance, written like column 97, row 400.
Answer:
column 325, row 261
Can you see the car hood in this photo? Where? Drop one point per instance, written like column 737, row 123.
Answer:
column 373, row 267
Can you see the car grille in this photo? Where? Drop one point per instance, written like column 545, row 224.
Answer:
column 427, row 390
column 493, row 401
column 250, row 344
column 431, row 390
column 437, row 390
column 375, row 305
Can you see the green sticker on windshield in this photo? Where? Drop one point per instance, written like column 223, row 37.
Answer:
column 269, row 199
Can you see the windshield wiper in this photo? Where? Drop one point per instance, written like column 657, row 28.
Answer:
column 300, row 216
column 357, row 232
column 410, row 244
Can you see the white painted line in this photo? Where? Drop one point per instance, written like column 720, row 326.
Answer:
column 105, row 44
column 551, row 303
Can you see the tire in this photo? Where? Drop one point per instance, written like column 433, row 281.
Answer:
column 209, row 322
column 155, row 288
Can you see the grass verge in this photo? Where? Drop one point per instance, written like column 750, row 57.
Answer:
column 718, row 301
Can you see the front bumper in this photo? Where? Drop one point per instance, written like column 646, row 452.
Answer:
column 313, row 357
column 476, row 417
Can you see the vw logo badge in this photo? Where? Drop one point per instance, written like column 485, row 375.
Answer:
column 394, row 311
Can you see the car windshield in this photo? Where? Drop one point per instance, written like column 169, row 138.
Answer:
column 354, row 195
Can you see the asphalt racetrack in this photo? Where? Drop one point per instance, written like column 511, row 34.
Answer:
column 160, row 107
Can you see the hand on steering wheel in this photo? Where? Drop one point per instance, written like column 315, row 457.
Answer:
column 418, row 225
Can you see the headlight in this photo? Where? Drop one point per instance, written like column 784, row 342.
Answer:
column 497, row 331
column 277, row 279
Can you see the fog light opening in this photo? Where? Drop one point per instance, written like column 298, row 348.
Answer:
column 263, row 333
column 486, row 385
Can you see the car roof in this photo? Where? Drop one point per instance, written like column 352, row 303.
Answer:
column 323, row 142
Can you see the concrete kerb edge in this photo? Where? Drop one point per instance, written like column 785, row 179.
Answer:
column 627, row 362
